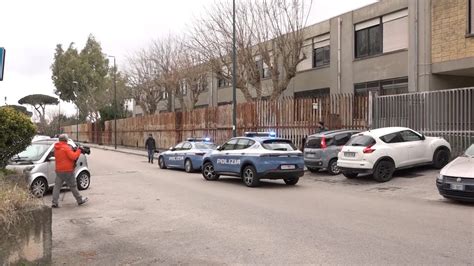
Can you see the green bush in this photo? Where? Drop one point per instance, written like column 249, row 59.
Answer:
column 16, row 132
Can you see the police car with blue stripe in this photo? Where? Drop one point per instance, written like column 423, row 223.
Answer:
column 186, row 155
column 253, row 157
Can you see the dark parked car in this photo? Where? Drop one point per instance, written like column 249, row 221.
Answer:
column 320, row 150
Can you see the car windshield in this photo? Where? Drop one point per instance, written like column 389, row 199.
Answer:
column 34, row 152
column 205, row 145
column 361, row 140
column 470, row 151
column 279, row 145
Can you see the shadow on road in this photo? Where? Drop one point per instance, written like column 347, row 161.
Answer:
column 366, row 179
column 264, row 184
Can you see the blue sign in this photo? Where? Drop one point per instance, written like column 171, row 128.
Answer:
column 2, row 62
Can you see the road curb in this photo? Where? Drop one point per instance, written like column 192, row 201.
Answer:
column 107, row 148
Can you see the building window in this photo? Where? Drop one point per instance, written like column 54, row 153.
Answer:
column 263, row 68
column 471, row 16
column 382, row 35
column 321, row 56
column 164, row 95
column 395, row 31
column 223, row 103
column 368, row 38
column 222, row 82
column 317, row 93
column 383, row 87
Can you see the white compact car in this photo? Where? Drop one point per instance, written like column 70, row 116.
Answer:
column 38, row 162
column 456, row 180
column 381, row 151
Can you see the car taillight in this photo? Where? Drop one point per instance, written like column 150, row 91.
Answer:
column 323, row 143
column 368, row 149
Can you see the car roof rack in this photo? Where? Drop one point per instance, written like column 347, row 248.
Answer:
column 260, row 134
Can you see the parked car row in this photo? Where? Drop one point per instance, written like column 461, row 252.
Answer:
column 252, row 157
column 380, row 152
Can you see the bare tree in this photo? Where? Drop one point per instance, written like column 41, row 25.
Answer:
column 164, row 53
column 269, row 40
column 280, row 35
column 194, row 74
column 212, row 38
column 181, row 69
column 143, row 78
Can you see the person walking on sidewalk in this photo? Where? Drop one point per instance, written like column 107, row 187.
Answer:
column 150, row 145
column 66, row 159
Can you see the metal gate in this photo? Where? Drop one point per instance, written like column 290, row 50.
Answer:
column 446, row 113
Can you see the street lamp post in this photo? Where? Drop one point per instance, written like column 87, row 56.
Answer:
column 234, row 79
column 115, row 103
column 77, row 122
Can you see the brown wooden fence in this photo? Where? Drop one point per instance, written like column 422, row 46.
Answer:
column 289, row 118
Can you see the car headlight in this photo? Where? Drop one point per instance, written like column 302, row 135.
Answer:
column 440, row 177
column 28, row 169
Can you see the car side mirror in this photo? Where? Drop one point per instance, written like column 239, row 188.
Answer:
column 172, row 149
column 51, row 159
column 219, row 148
column 423, row 137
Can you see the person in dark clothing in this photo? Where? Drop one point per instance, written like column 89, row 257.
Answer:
column 321, row 127
column 150, row 145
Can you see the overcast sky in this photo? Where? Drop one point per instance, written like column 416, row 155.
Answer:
column 31, row 29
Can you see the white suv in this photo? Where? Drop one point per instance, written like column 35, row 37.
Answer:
column 381, row 151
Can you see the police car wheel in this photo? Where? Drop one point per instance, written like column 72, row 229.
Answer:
column 188, row 166
column 208, row 172
column 249, row 176
column 291, row 181
column 161, row 162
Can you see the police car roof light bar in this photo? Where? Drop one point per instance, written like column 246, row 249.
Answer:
column 260, row 134
column 198, row 139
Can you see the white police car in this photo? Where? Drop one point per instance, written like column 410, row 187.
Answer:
column 186, row 155
column 254, row 157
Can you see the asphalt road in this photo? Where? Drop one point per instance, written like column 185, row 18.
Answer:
column 139, row 214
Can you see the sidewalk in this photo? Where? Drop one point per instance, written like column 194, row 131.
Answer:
column 133, row 151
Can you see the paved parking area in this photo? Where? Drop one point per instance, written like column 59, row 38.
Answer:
column 415, row 183
column 139, row 214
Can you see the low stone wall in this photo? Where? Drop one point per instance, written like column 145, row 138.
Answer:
column 29, row 241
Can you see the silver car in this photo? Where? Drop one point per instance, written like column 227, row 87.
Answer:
column 456, row 180
column 38, row 162
column 320, row 150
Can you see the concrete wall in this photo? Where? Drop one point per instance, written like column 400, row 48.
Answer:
column 30, row 241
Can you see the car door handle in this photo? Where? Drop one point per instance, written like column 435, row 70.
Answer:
column 243, row 153
column 227, row 153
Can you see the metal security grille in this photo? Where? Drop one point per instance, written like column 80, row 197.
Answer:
column 447, row 113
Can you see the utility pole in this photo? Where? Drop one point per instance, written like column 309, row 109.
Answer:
column 77, row 122
column 234, row 79
column 115, row 103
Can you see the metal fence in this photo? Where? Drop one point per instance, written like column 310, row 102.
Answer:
column 288, row 117
column 447, row 113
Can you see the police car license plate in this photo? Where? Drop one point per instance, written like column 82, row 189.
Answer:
column 349, row 154
column 310, row 155
column 287, row 166
column 457, row 187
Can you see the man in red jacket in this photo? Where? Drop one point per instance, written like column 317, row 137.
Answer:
column 66, row 159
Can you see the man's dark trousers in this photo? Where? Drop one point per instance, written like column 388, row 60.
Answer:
column 151, row 153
